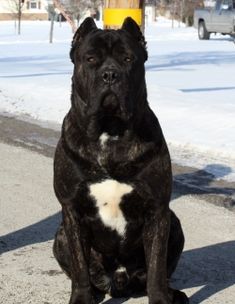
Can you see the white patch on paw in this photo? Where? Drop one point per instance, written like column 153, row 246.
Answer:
column 108, row 196
column 103, row 139
column 121, row 269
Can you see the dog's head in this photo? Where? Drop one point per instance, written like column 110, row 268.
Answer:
column 109, row 77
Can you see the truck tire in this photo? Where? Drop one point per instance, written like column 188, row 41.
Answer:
column 203, row 34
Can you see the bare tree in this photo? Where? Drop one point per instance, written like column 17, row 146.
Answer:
column 189, row 6
column 16, row 8
column 75, row 9
column 78, row 8
column 59, row 4
column 181, row 10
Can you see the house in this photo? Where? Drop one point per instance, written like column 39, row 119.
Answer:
column 31, row 9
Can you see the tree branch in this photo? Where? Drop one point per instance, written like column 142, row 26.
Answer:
column 61, row 8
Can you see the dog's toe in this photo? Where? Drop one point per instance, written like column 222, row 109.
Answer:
column 119, row 286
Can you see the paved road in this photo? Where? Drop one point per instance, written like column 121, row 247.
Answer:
column 187, row 180
column 30, row 215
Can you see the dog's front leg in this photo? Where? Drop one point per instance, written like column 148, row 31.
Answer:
column 81, row 289
column 155, row 237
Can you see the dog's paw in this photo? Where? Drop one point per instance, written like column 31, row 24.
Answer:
column 81, row 296
column 120, row 280
column 159, row 298
column 119, row 285
column 159, row 301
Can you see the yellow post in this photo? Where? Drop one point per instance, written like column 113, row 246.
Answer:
column 115, row 11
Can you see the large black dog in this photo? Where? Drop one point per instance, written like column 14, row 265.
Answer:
column 112, row 175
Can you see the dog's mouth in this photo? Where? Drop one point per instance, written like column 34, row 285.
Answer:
column 113, row 105
column 112, row 117
column 109, row 104
column 109, row 116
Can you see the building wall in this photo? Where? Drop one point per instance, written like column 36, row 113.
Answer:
column 32, row 10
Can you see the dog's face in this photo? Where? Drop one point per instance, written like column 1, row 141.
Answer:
column 109, row 76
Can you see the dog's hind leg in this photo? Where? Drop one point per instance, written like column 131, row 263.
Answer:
column 99, row 279
column 177, row 297
column 61, row 251
column 175, row 244
column 175, row 248
column 98, row 275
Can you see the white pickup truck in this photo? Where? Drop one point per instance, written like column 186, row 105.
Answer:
column 218, row 18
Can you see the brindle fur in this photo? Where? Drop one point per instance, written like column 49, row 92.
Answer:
column 109, row 96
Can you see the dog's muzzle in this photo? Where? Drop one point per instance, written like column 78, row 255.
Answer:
column 110, row 104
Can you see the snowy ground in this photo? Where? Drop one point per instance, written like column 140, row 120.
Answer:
column 191, row 86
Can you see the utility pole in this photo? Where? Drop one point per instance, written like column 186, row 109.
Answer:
column 19, row 13
column 52, row 14
column 115, row 11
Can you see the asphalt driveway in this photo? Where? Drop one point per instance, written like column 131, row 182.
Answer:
column 30, row 215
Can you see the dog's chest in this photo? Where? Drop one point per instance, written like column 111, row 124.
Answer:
column 108, row 195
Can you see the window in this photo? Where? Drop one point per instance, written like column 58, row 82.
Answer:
column 228, row 2
column 33, row 4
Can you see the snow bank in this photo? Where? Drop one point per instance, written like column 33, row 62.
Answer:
column 191, row 86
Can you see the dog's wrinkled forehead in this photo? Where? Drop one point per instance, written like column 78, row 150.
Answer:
column 105, row 40
column 89, row 38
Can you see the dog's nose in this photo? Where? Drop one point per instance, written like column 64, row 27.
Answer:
column 110, row 76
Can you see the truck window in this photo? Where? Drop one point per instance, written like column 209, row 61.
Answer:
column 230, row 3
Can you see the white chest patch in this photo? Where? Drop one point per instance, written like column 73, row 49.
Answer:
column 108, row 196
column 103, row 139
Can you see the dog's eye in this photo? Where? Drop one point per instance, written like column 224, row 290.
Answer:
column 127, row 59
column 90, row 59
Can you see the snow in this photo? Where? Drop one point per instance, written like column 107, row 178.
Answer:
column 191, row 86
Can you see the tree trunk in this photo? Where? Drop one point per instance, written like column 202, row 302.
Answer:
column 19, row 17
column 124, row 4
column 52, row 27
column 173, row 14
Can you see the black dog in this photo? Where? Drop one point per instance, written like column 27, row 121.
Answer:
column 112, row 175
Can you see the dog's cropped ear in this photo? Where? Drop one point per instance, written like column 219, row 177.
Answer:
column 86, row 27
column 132, row 28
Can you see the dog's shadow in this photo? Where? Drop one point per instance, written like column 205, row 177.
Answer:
column 203, row 182
column 208, row 269
column 38, row 232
